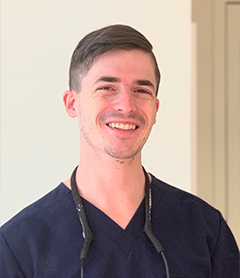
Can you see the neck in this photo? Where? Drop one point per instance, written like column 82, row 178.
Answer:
column 114, row 186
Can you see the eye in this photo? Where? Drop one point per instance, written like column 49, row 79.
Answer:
column 142, row 91
column 105, row 88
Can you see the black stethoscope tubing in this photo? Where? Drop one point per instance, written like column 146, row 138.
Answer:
column 87, row 233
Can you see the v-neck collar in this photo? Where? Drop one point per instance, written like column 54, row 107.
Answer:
column 103, row 226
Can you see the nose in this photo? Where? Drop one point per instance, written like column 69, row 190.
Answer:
column 125, row 102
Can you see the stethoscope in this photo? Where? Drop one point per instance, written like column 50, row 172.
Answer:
column 87, row 233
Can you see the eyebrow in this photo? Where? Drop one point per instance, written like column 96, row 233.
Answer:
column 141, row 82
column 107, row 79
column 144, row 83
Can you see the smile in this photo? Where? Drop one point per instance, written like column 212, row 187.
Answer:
column 122, row 126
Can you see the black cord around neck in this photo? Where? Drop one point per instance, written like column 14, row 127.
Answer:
column 147, row 226
column 87, row 233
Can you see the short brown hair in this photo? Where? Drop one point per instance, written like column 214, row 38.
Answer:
column 101, row 41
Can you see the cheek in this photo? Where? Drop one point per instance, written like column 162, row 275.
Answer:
column 89, row 117
column 152, row 114
column 84, row 118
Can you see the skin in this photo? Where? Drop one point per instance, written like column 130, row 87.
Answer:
column 116, row 109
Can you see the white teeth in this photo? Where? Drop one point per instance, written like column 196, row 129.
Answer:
column 122, row 126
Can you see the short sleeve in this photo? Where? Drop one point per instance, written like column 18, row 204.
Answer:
column 9, row 267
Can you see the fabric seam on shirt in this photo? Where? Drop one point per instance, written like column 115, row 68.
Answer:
column 38, row 211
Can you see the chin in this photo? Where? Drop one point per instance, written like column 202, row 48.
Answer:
column 123, row 154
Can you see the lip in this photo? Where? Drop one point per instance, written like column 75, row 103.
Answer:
column 133, row 118
column 123, row 125
column 121, row 131
column 122, row 121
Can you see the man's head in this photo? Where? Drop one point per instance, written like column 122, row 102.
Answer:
column 104, row 40
column 117, row 74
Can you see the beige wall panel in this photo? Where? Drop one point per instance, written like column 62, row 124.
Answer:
column 202, row 17
column 233, row 116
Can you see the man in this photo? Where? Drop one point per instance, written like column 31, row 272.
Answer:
column 124, row 212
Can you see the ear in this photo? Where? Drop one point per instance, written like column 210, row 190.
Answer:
column 158, row 105
column 69, row 100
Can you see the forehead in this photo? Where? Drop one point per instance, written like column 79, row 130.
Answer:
column 126, row 64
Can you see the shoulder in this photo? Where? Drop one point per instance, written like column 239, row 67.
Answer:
column 197, row 223
column 38, row 209
column 190, row 226
column 184, row 211
column 176, row 197
column 36, row 234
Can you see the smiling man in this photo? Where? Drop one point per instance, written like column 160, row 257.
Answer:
column 116, row 106
column 109, row 218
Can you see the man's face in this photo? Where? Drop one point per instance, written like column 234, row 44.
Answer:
column 117, row 104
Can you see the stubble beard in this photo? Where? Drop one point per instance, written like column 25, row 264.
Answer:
column 124, row 155
column 127, row 154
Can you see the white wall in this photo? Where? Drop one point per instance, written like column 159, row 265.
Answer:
column 39, row 143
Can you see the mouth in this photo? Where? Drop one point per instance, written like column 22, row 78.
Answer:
column 122, row 126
